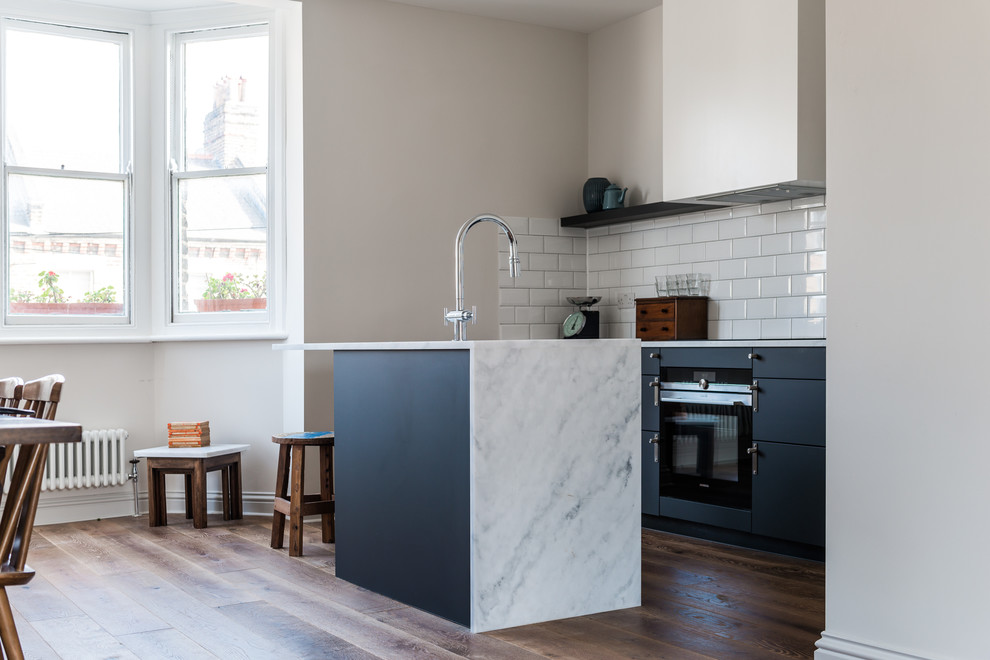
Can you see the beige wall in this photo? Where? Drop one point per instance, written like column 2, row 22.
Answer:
column 415, row 121
column 907, row 491
column 625, row 96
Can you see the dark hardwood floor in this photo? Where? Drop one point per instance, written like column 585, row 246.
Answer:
column 119, row 589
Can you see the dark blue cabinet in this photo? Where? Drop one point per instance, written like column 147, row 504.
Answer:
column 788, row 488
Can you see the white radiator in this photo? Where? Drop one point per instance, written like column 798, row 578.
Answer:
column 96, row 461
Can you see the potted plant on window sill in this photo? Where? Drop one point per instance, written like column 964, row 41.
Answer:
column 234, row 292
column 52, row 299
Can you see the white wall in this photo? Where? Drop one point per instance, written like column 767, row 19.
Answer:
column 907, row 490
column 625, row 95
column 417, row 120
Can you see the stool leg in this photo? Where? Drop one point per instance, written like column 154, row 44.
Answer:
column 281, row 492
column 225, row 490
column 326, row 491
column 236, row 504
column 198, row 495
column 296, row 501
column 188, row 491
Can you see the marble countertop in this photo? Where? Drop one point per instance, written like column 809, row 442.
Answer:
column 440, row 345
column 524, row 343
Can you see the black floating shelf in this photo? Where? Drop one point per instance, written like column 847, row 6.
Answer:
column 634, row 213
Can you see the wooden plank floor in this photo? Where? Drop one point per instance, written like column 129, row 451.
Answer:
column 119, row 589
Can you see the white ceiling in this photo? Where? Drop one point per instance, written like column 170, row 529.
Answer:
column 575, row 15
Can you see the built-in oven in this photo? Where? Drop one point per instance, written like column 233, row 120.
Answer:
column 706, row 432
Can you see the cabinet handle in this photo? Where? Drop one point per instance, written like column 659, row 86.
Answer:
column 753, row 356
column 656, row 391
column 655, row 441
column 755, row 389
column 754, row 452
column 654, row 356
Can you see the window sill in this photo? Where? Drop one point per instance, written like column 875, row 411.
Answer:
column 144, row 339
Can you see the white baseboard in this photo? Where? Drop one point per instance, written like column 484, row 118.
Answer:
column 831, row 647
column 116, row 501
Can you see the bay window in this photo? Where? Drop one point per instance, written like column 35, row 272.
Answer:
column 65, row 173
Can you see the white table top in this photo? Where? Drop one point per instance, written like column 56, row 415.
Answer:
column 189, row 452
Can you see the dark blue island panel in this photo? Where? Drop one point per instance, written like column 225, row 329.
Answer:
column 402, row 457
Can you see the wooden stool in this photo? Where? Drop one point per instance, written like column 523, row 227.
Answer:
column 194, row 463
column 297, row 506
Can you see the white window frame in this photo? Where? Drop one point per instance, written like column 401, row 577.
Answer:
column 150, row 266
column 124, row 39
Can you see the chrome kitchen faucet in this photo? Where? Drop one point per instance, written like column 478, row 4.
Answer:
column 460, row 316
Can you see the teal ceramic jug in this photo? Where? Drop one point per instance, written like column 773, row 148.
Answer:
column 614, row 197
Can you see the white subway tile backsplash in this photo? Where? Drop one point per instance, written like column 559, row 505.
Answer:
column 758, row 225
column 718, row 250
column 558, row 279
column 775, row 244
column 734, row 228
column 538, row 262
column 631, row 241
column 508, row 296
column 775, row 329
column 654, row 238
column 609, row 243
column 617, row 260
column 692, row 252
column 573, row 262
column 814, row 283
column 666, row 256
column 642, row 258
column 775, row 286
column 544, row 331
column 792, row 221
column 731, row 269
column 544, row 226
column 816, row 261
column 792, row 264
column 767, row 264
column 761, row 308
column 760, row 267
column 558, row 245
column 529, row 314
column 776, row 207
column 542, row 297
column 746, row 247
column 792, row 306
column 679, row 235
column 704, row 232
column 805, row 241
column 746, row 288
column 809, row 328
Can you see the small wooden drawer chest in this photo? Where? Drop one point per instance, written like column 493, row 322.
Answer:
column 674, row 317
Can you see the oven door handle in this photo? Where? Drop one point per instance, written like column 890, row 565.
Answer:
column 707, row 402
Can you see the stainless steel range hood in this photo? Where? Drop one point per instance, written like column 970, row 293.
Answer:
column 765, row 194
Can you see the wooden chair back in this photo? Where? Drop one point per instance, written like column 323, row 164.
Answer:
column 10, row 391
column 42, row 395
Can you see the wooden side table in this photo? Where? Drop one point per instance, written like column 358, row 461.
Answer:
column 194, row 463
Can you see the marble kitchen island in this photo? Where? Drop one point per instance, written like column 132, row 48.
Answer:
column 493, row 483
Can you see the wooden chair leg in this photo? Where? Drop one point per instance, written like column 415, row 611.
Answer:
column 296, row 501
column 198, row 495
column 326, row 491
column 8, row 633
column 281, row 492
